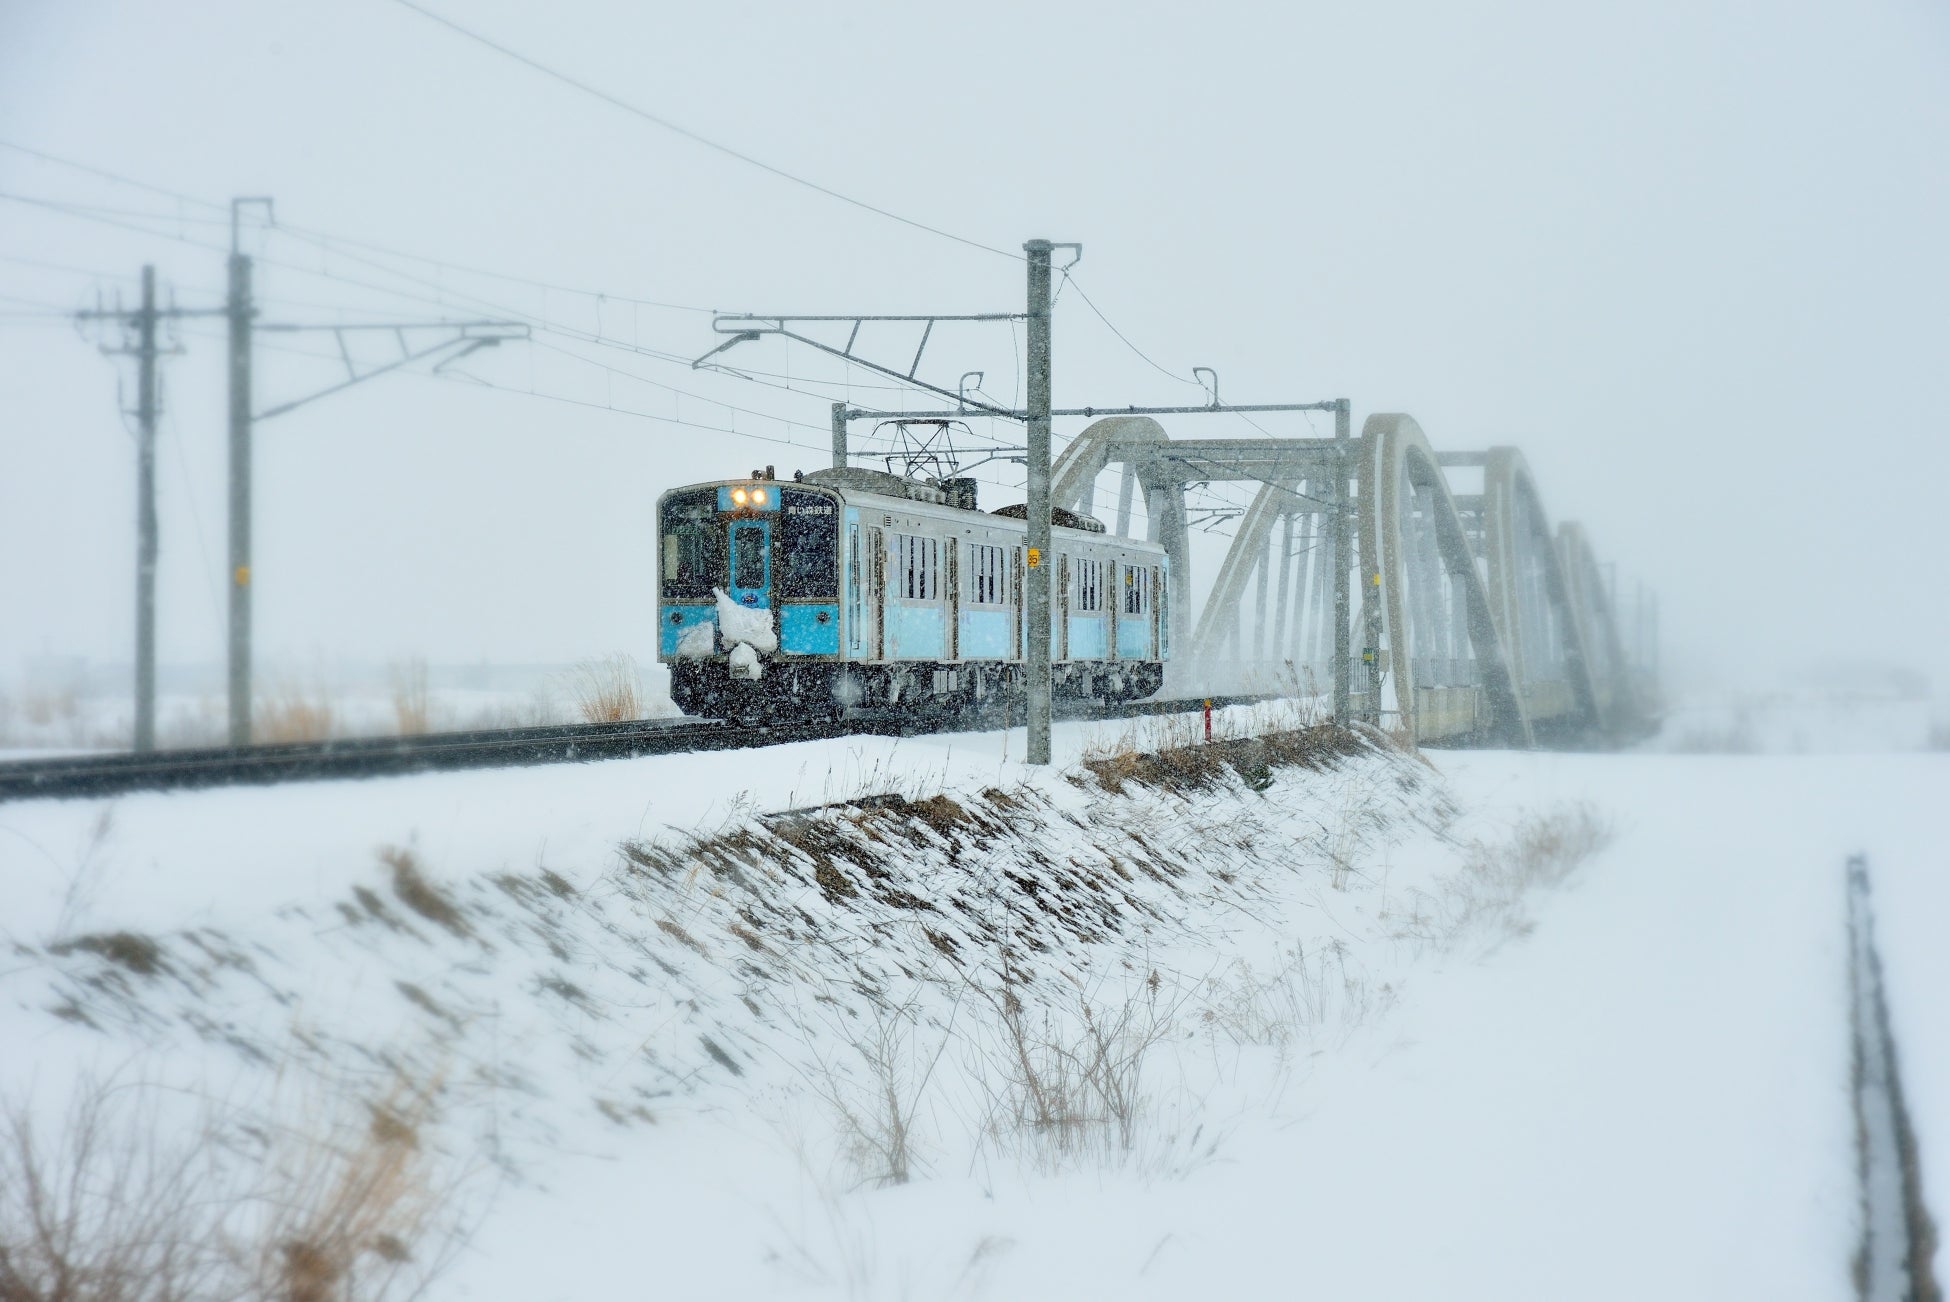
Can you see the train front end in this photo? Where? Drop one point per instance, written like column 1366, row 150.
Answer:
column 748, row 611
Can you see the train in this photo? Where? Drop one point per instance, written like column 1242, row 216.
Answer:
column 848, row 590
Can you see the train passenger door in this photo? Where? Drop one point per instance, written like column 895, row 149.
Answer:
column 1018, row 625
column 1061, row 608
column 951, row 639
column 751, row 563
column 856, row 594
column 877, row 595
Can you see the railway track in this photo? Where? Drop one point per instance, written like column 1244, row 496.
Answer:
column 71, row 776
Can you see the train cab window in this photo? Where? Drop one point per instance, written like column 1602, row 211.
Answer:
column 748, row 557
column 1137, row 590
column 917, row 567
column 1086, row 586
column 985, row 575
column 808, row 545
column 693, row 546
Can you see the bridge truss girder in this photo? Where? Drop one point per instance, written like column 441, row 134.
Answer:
column 1481, row 626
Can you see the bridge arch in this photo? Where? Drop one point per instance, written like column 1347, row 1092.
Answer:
column 1434, row 601
column 1133, row 441
column 1598, row 626
column 1530, row 598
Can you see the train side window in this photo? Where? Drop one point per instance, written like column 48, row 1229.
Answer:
column 1137, row 590
column 917, row 567
column 984, row 575
column 1087, row 586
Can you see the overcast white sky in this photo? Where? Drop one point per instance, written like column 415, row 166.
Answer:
column 1691, row 257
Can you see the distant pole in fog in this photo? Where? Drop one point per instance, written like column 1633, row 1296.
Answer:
column 240, row 311
column 145, row 518
column 148, row 405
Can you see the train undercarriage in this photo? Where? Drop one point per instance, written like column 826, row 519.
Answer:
column 787, row 691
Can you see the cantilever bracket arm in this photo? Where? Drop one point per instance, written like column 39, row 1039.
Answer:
column 744, row 329
column 465, row 343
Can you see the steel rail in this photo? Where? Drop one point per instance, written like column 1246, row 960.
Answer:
column 72, row 776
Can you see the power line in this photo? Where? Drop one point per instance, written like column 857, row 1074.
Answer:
column 334, row 243
column 44, row 265
column 1123, row 338
column 82, row 211
column 112, row 176
column 452, row 378
column 695, row 138
column 322, row 238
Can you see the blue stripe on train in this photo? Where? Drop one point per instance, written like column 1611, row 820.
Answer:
column 1134, row 638
column 810, row 630
column 984, row 634
column 1087, row 637
column 915, row 632
column 678, row 618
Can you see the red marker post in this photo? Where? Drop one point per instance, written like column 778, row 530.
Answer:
column 1208, row 718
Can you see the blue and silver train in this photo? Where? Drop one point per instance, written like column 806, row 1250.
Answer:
column 847, row 589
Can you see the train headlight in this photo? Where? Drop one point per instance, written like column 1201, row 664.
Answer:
column 738, row 495
column 758, row 496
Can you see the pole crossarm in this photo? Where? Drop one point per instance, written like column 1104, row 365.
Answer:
column 473, row 336
column 747, row 328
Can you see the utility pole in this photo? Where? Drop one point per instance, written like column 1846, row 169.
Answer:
column 1343, row 558
column 144, row 349
column 240, row 311
column 839, row 436
column 1036, row 661
column 145, row 518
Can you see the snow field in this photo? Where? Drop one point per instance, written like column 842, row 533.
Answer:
column 1367, row 1068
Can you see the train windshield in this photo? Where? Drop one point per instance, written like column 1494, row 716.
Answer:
column 693, row 546
column 809, row 544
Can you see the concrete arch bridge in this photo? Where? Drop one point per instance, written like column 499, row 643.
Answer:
column 1426, row 592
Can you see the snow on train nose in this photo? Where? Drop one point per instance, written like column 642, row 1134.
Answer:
column 748, row 632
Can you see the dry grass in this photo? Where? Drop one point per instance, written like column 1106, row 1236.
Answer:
column 139, row 1195
column 295, row 714
column 1187, row 764
column 1486, row 899
column 607, row 690
column 412, row 709
column 1067, row 1083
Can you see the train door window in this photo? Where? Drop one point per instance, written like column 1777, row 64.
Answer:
column 1137, row 590
column 748, row 556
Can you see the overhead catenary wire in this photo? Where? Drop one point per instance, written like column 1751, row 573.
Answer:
column 688, row 134
column 441, row 294
column 116, row 177
column 446, row 295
